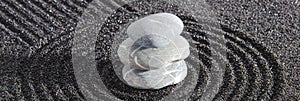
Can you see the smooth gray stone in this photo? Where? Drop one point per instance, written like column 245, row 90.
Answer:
column 124, row 51
column 162, row 24
column 155, row 79
column 154, row 58
column 153, row 41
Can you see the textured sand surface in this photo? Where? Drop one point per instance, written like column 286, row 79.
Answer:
column 261, row 43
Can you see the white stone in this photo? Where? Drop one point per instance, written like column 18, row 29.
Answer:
column 124, row 51
column 155, row 58
column 155, row 79
column 162, row 24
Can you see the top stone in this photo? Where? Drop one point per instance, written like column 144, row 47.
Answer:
column 160, row 27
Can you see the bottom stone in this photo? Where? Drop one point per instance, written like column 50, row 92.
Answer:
column 155, row 79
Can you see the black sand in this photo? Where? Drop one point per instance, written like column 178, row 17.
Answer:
column 262, row 42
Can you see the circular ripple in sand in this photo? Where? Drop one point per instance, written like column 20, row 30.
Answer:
column 251, row 71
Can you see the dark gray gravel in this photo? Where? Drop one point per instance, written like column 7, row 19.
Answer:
column 275, row 24
column 35, row 51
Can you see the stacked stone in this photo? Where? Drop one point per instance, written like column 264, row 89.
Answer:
column 153, row 55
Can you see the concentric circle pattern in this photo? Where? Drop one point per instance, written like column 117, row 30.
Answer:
column 36, row 42
column 249, row 74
